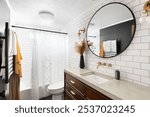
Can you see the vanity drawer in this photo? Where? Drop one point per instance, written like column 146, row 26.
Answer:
column 68, row 96
column 76, row 83
column 73, row 92
column 95, row 95
column 76, row 90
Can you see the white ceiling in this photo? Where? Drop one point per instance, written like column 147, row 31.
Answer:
column 25, row 12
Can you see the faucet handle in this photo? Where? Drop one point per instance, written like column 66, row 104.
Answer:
column 109, row 65
column 104, row 64
column 98, row 64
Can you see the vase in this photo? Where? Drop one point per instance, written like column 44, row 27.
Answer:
column 82, row 65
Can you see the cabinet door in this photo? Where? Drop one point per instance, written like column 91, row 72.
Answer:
column 67, row 96
column 76, row 84
column 73, row 92
column 95, row 95
column 75, row 89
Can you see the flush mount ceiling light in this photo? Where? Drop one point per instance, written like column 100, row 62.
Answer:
column 46, row 15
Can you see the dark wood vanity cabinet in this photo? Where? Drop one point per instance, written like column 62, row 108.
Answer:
column 74, row 89
column 77, row 90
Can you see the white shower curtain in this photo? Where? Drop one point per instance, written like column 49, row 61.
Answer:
column 48, row 61
column 44, row 58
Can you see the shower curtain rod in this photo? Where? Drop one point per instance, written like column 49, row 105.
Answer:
column 29, row 28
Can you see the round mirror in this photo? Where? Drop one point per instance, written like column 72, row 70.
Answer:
column 111, row 30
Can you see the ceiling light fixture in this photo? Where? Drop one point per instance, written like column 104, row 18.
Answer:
column 46, row 15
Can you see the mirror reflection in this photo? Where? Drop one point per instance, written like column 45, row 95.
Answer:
column 111, row 30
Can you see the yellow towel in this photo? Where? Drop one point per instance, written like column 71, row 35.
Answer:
column 14, row 87
column 101, row 49
column 18, row 58
column 14, row 81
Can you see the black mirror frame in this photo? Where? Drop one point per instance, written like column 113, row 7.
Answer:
column 133, row 31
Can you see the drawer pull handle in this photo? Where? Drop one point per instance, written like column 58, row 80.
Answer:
column 72, row 93
column 72, row 82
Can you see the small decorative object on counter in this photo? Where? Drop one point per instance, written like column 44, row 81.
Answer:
column 80, row 48
column 82, row 65
column 117, row 74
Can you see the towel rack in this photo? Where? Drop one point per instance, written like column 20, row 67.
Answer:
column 9, row 60
column 6, row 37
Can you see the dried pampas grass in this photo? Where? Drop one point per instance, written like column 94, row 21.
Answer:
column 80, row 47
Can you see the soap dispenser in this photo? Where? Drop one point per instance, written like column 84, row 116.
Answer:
column 117, row 74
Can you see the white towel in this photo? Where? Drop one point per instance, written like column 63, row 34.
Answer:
column 12, row 44
column 113, row 46
column 106, row 45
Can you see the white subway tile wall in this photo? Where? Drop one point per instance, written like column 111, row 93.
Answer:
column 133, row 63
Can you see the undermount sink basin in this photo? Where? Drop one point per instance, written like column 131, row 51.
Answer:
column 93, row 77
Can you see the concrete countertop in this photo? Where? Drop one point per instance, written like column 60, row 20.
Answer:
column 115, row 89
